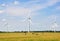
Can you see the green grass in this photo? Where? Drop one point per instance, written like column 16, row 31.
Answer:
column 14, row 39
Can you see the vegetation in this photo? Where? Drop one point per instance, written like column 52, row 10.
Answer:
column 46, row 36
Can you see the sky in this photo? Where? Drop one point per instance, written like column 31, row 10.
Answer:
column 44, row 14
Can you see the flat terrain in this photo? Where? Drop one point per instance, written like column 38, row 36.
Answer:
column 46, row 36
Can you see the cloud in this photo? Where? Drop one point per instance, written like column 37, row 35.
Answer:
column 37, row 5
column 50, row 3
column 3, row 4
column 18, row 8
column 58, row 8
column 16, row 2
column 1, row 11
column 3, row 20
column 17, row 11
column 27, row 7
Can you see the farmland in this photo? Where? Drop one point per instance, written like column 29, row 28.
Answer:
column 46, row 36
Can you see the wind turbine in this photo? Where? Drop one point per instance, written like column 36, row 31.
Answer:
column 5, row 23
column 54, row 24
column 29, row 22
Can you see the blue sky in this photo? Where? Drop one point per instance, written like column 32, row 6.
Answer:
column 45, row 15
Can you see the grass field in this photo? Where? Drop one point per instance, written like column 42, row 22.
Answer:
column 30, row 37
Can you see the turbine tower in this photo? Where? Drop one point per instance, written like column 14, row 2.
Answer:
column 54, row 24
column 29, row 19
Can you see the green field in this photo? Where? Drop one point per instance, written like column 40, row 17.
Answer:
column 30, row 37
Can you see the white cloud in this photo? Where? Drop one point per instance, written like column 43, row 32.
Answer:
column 3, row 19
column 31, row 6
column 3, row 4
column 1, row 11
column 34, row 5
column 17, row 11
column 16, row 2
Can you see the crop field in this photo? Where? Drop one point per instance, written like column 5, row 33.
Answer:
column 46, row 36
